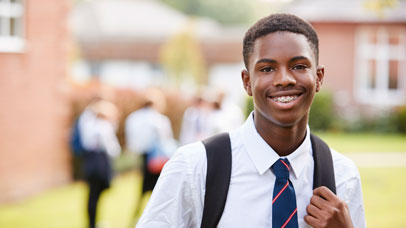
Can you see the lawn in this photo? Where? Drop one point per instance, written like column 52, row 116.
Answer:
column 364, row 142
column 384, row 196
column 65, row 207
column 384, row 193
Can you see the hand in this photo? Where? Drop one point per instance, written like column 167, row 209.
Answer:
column 327, row 210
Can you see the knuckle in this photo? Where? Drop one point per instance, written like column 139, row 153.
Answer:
column 341, row 205
column 330, row 213
column 308, row 208
column 313, row 199
column 306, row 218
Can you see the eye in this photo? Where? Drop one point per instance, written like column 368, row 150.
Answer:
column 267, row 69
column 299, row 67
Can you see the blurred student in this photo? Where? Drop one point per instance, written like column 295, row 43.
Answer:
column 195, row 121
column 224, row 116
column 148, row 132
column 97, row 126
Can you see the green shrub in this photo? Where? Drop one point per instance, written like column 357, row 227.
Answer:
column 322, row 117
column 249, row 106
column 400, row 119
column 393, row 121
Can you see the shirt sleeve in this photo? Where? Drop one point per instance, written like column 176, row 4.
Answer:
column 109, row 139
column 176, row 199
column 140, row 131
column 349, row 188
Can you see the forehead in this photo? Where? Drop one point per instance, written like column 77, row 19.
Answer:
column 281, row 45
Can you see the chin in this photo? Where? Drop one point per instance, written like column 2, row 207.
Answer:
column 286, row 121
column 286, row 124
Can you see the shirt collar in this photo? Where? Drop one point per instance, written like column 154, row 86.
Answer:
column 263, row 156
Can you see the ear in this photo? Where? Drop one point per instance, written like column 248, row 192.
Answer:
column 320, row 77
column 246, row 80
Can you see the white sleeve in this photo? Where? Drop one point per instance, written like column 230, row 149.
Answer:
column 109, row 139
column 177, row 197
column 349, row 188
column 140, row 132
column 355, row 202
column 186, row 133
column 168, row 143
column 129, row 134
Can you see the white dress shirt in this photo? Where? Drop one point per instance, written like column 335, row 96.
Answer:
column 228, row 118
column 146, row 127
column 98, row 134
column 194, row 125
column 177, row 200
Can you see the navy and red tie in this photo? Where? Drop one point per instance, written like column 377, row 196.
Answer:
column 284, row 210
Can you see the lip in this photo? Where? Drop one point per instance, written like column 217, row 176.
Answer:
column 283, row 93
column 288, row 93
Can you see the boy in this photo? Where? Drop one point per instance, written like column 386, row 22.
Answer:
column 282, row 75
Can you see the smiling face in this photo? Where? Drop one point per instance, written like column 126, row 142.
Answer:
column 282, row 77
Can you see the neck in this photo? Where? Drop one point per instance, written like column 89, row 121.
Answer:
column 283, row 139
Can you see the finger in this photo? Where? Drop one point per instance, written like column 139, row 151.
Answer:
column 314, row 211
column 319, row 202
column 325, row 193
column 310, row 220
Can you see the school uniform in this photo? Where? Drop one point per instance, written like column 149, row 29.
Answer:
column 100, row 141
column 181, row 187
column 144, row 130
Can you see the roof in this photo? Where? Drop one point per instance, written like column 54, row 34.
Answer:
column 347, row 11
column 132, row 20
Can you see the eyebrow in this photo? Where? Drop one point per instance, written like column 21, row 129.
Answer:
column 266, row 61
column 299, row 58
column 296, row 58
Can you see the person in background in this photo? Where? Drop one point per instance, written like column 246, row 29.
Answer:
column 148, row 132
column 195, row 121
column 224, row 116
column 97, row 126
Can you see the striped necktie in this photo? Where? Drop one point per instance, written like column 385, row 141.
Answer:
column 284, row 210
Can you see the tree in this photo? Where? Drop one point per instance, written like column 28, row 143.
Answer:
column 181, row 57
column 225, row 11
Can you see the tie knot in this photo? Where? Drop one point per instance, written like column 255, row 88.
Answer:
column 281, row 168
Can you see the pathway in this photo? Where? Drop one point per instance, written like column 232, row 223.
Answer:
column 387, row 159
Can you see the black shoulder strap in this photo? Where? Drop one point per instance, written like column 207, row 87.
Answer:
column 323, row 164
column 218, row 152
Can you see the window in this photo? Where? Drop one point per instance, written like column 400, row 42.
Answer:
column 11, row 25
column 380, row 71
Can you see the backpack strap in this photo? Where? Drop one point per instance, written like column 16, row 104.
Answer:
column 218, row 152
column 323, row 164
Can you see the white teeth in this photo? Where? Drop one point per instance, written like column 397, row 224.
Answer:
column 285, row 99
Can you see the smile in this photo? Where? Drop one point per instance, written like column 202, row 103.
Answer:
column 285, row 99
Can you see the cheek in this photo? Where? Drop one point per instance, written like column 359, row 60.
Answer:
column 310, row 82
column 257, row 88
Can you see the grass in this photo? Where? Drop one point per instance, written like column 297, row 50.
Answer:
column 384, row 196
column 384, row 193
column 364, row 142
column 66, row 207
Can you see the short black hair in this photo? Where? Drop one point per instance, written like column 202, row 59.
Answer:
column 279, row 23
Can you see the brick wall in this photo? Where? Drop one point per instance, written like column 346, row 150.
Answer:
column 34, row 104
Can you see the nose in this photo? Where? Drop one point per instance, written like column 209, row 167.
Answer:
column 284, row 78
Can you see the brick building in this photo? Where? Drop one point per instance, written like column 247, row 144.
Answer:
column 34, row 49
column 363, row 50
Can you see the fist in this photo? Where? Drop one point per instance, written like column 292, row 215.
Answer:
column 327, row 210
